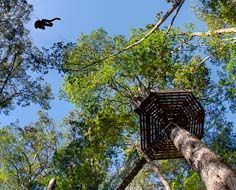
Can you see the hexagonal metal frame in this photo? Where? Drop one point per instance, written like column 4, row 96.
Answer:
column 159, row 113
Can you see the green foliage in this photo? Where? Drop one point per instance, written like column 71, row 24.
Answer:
column 108, row 92
column 81, row 164
column 223, row 143
column 144, row 180
column 191, row 181
column 79, row 167
column 222, row 50
column 154, row 64
column 218, row 13
column 26, row 154
column 192, row 75
column 221, row 14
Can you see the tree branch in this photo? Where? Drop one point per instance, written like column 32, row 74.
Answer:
column 174, row 17
column 209, row 33
column 205, row 59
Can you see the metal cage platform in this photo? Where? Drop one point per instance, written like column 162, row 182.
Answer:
column 159, row 113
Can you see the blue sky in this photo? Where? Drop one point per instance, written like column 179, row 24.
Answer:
column 84, row 16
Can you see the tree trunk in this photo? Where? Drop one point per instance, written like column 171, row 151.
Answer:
column 215, row 174
column 164, row 182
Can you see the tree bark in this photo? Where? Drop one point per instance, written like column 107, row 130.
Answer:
column 215, row 174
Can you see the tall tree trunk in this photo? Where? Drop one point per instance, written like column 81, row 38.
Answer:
column 215, row 174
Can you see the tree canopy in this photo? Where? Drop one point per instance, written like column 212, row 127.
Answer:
column 26, row 154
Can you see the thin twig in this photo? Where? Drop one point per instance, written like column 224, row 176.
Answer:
column 174, row 17
column 205, row 59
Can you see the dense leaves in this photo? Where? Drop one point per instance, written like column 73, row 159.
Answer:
column 26, row 154
column 153, row 65
column 221, row 14
column 218, row 13
column 83, row 162
column 108, row 93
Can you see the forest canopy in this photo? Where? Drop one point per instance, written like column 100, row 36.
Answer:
column 106, row 77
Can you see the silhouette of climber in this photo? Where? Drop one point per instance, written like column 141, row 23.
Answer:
column 41, row 24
